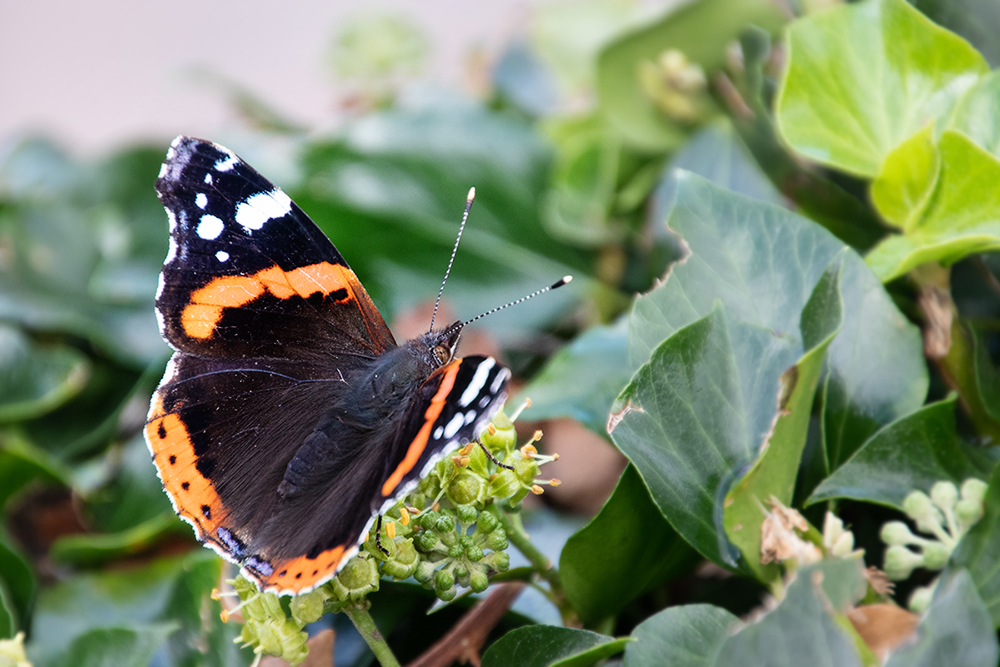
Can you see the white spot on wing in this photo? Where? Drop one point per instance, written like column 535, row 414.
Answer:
column 163, row 170
column 452, row 428
column 501, row 377
column 210, row 227
column 437, row 432
column 470, row 416
column 208, row 178
column 255, row 211
column 477, row 382
column 226, row 163
column 201, row 200
column 222, row 256
column 160, row 284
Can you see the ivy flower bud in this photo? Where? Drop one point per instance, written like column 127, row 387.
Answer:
column 403, row 562
column 443, row 580
column 425, row 571
column 974, row 489
column 944, row 495
column 935, row 555
column 896, row 532
column 466, row 514
column 502, row 436
column 900, row 562
column 466, row 488
column 293, row 642
column 844, row 545
column 479, row 582
column 445, row 525
column 918, row 506
column 486, row 523
column 968, row 511
column 497, row 540
column 307, row 608
column 504, row 484
column 358, row 578
column 920, row 599
column 267, row 639
column 498, row 561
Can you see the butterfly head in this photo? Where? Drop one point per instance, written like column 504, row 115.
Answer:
column 440, row 345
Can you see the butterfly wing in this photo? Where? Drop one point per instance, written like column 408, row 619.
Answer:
column 263, row 313
column 248, row 274
column 448, row 409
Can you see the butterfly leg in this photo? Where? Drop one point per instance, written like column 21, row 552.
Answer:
column 490, row 456
column 378, row 537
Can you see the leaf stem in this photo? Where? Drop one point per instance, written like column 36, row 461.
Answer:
column 358, row 613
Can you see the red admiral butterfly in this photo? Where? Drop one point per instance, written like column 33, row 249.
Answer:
column 288, row 418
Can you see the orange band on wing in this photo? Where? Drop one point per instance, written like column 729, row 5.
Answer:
column 194, row 497
column 301, row 573
column 419, row 443
column 203, row 313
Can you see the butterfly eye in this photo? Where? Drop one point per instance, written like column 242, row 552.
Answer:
column 442, row 353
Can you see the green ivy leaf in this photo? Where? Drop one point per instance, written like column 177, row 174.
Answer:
column 86, row 422
column 863, row 77
column 696, row 414
column 978, row 114
column 8, row 615
column 172, row 591
column 115, row 647
column 911, row 453
column 763, row 263
column 962, row 218
column 804, row 625
column 987, row 375
column 906, row 181
column 34, row 378
column 600, row 581
column 774, row 471
column 686, row 636
column 21, row 463
column 550, row 646
column 19, row 585
column 956, row 630
column 93, row 548
column 134, row 494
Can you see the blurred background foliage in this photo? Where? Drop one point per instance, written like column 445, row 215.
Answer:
column 573, row 140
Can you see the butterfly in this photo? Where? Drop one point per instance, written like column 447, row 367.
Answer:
column 288, row 418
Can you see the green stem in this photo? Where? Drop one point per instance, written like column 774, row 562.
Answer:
column 542, row 565
column 366, row 626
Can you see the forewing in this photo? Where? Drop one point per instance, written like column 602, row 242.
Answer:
column 248, row 274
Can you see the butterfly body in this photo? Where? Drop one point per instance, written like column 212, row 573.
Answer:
column 288, row 417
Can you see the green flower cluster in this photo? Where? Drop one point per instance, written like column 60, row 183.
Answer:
column 947, row 514
column 446, row 534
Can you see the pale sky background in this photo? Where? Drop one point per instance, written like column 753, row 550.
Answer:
column 99, row 74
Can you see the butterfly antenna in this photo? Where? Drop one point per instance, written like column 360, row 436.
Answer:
column 465, row 216
column 555, row 285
